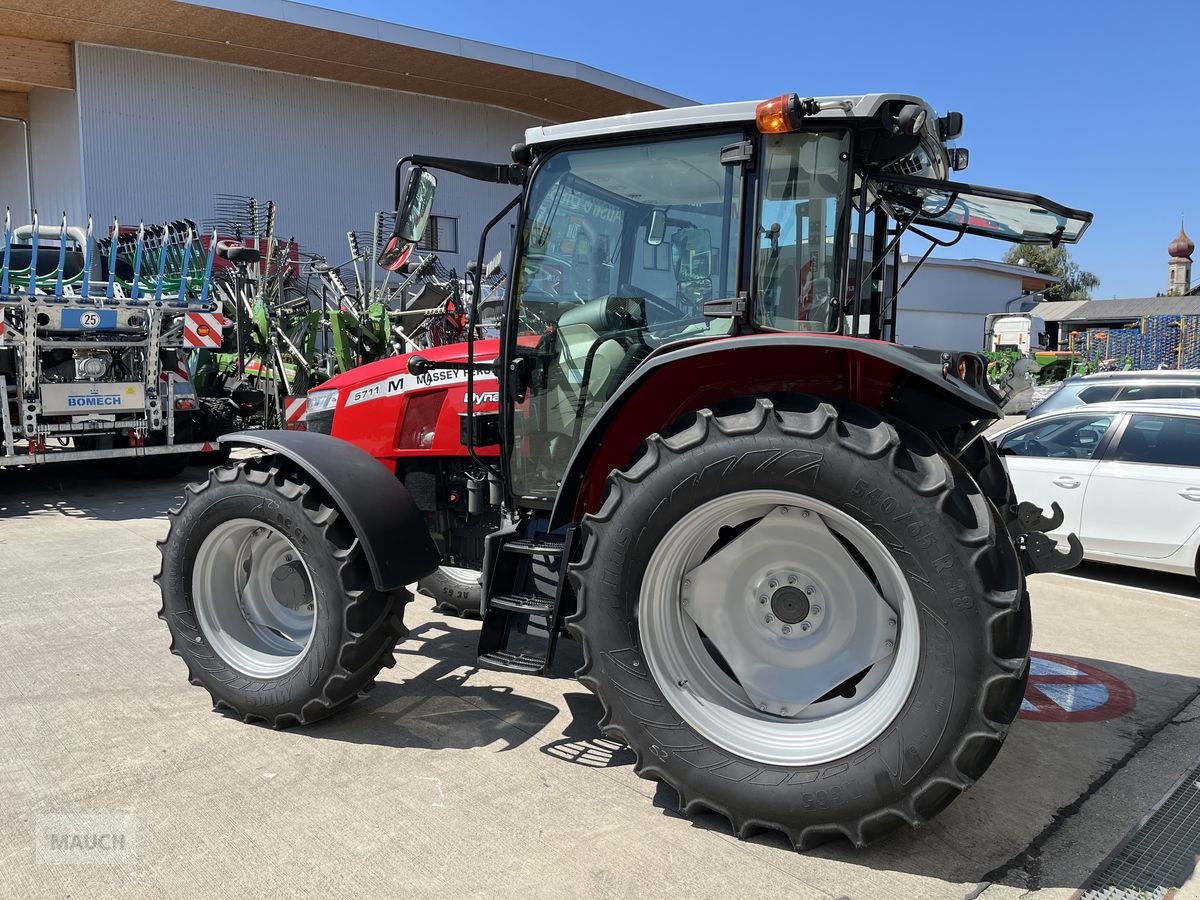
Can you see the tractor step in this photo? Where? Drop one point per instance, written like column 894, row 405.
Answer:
column 524, row 600
column 525, row 663
column 537, row 547
column 524, row 603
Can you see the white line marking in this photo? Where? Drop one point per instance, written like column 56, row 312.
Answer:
column 1124, row 587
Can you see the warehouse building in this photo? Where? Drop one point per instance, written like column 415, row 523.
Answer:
column 150, row 109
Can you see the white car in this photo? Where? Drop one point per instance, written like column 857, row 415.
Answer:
column 1126, row 475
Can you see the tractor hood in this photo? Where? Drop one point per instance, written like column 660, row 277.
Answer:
column 398, row 365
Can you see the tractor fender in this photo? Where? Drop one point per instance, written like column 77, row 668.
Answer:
column 395, row 539
column 919, row 386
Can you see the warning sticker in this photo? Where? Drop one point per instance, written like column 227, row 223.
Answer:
column 1062, row 689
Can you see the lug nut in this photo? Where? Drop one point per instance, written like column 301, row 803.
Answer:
column 816, row 610
column 804, row 514
column 889, row 644
column 787, row 629
column 783, row 710
column 762, row 598
column 792, row 579
column 687, row 582
column 810, row 590
column 891, row 623
column 772, row 584
column 805, row 626
column 769, row 619
column 763, row 707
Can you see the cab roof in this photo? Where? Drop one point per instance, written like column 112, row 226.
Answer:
column 862, row 106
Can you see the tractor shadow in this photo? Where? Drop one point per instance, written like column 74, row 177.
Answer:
column 1003, row 830
column 97, row 490
column 447, row 706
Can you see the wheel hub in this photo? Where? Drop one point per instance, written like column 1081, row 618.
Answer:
column 790, row 605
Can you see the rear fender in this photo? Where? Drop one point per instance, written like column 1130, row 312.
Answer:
column 918, row 386
column 377, row 506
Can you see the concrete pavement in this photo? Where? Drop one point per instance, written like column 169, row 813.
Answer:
column 455, row 782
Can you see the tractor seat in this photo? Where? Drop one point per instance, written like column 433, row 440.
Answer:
column 606, row 315
column 238, row 253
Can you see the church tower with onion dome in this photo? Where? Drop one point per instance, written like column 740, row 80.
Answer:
column 1179, row 277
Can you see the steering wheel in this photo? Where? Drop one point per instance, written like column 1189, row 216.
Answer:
column 537, row 266
column 1031, row 446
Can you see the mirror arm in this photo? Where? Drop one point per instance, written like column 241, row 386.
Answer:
column 494, row 173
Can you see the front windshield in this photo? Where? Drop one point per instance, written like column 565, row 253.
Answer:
column 797, row 271
column 621, row 248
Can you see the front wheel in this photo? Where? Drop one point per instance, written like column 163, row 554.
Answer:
column 269, row 598
column 803, row 620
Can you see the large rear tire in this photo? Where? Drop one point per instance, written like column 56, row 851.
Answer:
column 711, row 553
column 269, row 598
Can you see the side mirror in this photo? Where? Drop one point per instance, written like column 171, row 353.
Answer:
column 691, row 254
column 657, row 229
column 412, row 218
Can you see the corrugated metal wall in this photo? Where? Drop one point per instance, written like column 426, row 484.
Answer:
column 162, row 135
column 54, row 145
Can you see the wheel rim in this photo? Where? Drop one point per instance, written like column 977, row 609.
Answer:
column 466, row 576
column 724, row 603
column 254, row 598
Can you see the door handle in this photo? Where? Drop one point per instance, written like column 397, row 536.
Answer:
column 1066, row 481
column 1190, row 493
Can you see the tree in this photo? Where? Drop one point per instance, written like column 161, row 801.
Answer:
column 1076, row 284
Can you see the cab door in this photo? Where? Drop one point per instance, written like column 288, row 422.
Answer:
column 1051, row 460
column 1144, row 497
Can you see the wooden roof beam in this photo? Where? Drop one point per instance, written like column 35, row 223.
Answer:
column 37, row 63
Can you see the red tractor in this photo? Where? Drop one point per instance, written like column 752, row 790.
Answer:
column 796, row 570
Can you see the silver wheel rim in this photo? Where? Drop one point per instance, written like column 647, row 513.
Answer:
column 254, row 598
column 466, row 576
column 759, row 685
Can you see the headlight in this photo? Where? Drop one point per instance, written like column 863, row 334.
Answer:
column 321, row 402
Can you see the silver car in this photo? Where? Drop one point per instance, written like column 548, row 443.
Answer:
column 1105, row 387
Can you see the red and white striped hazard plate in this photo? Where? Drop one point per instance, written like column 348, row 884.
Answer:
column 202, row 331
column 293, row 413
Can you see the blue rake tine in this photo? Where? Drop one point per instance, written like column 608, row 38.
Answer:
column 183, row 266
column 7, row 251
column 212, row 252
column 112, row 258
column 62, row 256
column 33, row 254
column 87, row 261
column 137, row 260
column 162, row 264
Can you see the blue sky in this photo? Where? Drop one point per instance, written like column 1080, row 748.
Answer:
column 1088, row 103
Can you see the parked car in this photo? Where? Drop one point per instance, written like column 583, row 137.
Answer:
column 1126, row 475
column 1103, row 387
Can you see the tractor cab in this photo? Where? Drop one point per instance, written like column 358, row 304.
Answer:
column 656, row 229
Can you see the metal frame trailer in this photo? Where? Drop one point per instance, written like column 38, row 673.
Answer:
column 82, row 359
column 35, row 409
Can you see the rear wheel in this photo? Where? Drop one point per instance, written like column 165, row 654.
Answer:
column 269, row 598
column 804, row 620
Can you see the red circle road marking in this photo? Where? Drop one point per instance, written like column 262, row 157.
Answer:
column 1062, row 689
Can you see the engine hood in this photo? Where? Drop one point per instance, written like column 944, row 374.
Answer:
column 398, row 365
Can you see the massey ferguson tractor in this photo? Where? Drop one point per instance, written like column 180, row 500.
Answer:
column 796, row 570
